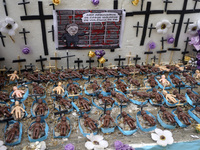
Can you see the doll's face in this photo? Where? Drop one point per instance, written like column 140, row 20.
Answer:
column 72, row 30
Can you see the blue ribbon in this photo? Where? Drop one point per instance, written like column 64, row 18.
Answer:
column 173, row 85
column 86, row 92
column 193, row 115
column 163, row 124
column 188, row 98
column 156, row 104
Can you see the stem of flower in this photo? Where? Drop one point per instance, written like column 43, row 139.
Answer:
column 12, row 39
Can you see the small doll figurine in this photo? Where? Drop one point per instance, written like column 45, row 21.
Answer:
column 63, row 126
column 183, row 116
column 37, row 128
column 4, row 111
column 59, row 88
column 17, row 110
column 14, row 131
column 197, row 74
column 41, row 107
column 73, row 88
column 17, row 93
column 148, row 118
column 130, row 121
column 90, row 122
column 13, row 76
column 170, row 97
column 167, row 115
column 164, row 81
column 107, row 118
column 84, row 103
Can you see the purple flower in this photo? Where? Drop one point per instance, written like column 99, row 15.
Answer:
column 118, row 145
column 95, row 2
column 152, row 45
column 195, row 41
column 170, row 40
column 69, row 147
column 26, row 50
column 99, row 53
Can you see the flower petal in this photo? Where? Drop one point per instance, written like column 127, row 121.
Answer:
column 159, row 132
column 158, row 25
column 170, row 140
column 167, row 133
column 198, row 24
column 165, row 30
column 160, row 31
column 90, row 136
column 11, row 32
column 1, row 143
column 162, row 142
column 3, row 148
column 154, row 136
column 89, row 145
column 103, row 143
column 97, row 138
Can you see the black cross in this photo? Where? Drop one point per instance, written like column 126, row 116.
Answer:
column 179, row 86
column 61, row 112
column 192, row 87
column 78, row 61
column 185, row 50
column 121, row 106
column 52, row 31
column 42, row 19
column 2, row 40
column 67, row 56
column 115, row 6
column 195, row 4
column 90, row 61
column 119, row 60
column 137, row 28
column 118, row 76
column 24, row 3
column 182, row 14
column 154, row 58
column 24, row 33
column 35, row 95
column 136, row 59
column 141, row 106
column 105, row 105
column 187, row 23
column 5, row 7
column 162, row 41
column 19, row 60
column 142, row 3
column 29, row 67
column 41, row 62
column 150, row 29
column 147, row 13
column 166, row 3
column 52, row 4
column 174, row 24
column 102, row 64
column 2, row 59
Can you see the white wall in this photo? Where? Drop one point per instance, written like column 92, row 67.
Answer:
column 130, row 43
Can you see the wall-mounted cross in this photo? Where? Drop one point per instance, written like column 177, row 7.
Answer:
column 142, row 3
column 52, row 4
column 115, row 6
column 154, row 59
column 41, row 62
column 182, row 14
column 52, row 31
column 24, row 3
column 136, row 59
column 90, row 61
column 195, row 4
column 137, row 28
column 2, row 40
column 19, row 61
column 185, row 50
column 78, row 62
column 42, row 19
column 67, row 56
column 172, row 53
column 174, row 24
column 146, row 13
column 187, row 23
column 162, row 42
column 24, row 33
column 5, row 7
column 166, row 3
column 150, row 29
column 119, row 60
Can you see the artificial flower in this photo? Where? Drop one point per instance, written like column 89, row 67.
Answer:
column 163, row 138
column 2, row 147
column 193, row 28
column 120, row 146
column 69, row 147
column 56, row 2
column 26, row 50
column 170, row 40
column 38, row 145
column 91, row 54
column 95, row 2
column 135, row 2
column 102, row 60
column 195, row 41
column 163, row 26
column 151, row 45
column 95, row 142
column 99, row 53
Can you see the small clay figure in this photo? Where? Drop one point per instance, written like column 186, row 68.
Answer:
column 197, row 74
column 72, row 88
column 164, row 81
column 59, row 89
column 4, row 111
column 89, row 122
column 44, row 78
column 157, row 96
column 37, row 128
column 130, row 121
column 148, row 118
column 30, row 76
column 64, row 102
column 76, row 74
column 63, row 126
column 84, row 103
column 107, row 85
column 17, row 110
column 121, row 85
column 180, row 97
column 192, row 95
column 152, row 81
column 119, row 97
column 175, row 80
column 95, row 86
column 13, row 76
column 170, row 97
column 162, row 68
column 197, row 109
column 144, row 95
column 155, row 69
column 99, row 72
column 64, row 75
column 107, row 118
column 41, row 108
column 17, row 93
column 106, row 98
column 4, row 96
column 52, row 76
column 123, row 71
column 169, row 116
column 133, row 81
column 189, row 78
column 38, row 89
column 14, row 131
column 111, row 71
column 183, row 116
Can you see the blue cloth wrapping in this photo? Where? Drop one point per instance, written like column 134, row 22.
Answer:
column 156, row 104
column 33, row 111
column 168, row 103
column 193, row 115
column 140, row 126
column 161, row 86
column 77, row 109
column 163, row 124
column 125, row 132
column 25, row 96
column 67, row 134
column 189, row 100
column 178, row 121
column 102, row 108
column 116, row 85
column 107, row 130
column 118, row 103
column 173, row 85
column 192, row 145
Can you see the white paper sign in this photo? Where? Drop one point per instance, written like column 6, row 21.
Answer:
column 100, row 17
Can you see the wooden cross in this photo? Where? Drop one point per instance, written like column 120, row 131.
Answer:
column 24, row 3
column 19, row 61
column 24, row 33
column 50, row 67
column 148, row 53
column 187, row 23
column 2, row 40
column 129, row 58
column 137, row 28
column 150, row 29
column 172, row 53
column 41, row 62
column 166, row 4
column 136, row 59
column 90, row 61
column 119, row 60
column 154, row 59
column 56, row 60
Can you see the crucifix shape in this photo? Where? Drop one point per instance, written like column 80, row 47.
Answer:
column 119, row 60
column 67, row 56
column 174, row 24
column 142, row 3
column 179, row 86
column 150, row 29
column 121, row 106
column 52, row 4
column 115, row 6
column 147, row 13
column 187, row 23
column 162, row 41
column 136, row 59
column 2, row 40
column 182, row 14
column 56, row 60
column 129, row 58
column 172, row 53
column 154, row 59
column 105, row 105
column 50, row 67
column 52, row 31
column 137, row 28
column 41, row 62
column 24, row 33
column 166, row 3
column 90, row 61
column 42, row 19
column 141, row 106
column 185, row 50
column 19, row 61
column 61, row 112
column 5, row 7
column 195, row 4
column 24, row 3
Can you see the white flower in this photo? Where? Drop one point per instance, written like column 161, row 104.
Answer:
column 198, row 24
column 38, row 145
column 96, row 142
column 162, row 137
column 163, row 26
column 2, row 147
column 8, row 26
column 193, row 28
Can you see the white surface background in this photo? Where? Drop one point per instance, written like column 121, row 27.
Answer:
column 130, row 42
